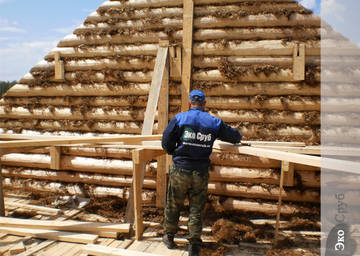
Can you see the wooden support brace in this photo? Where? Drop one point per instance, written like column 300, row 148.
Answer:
column 188, row 20
column 139, row 170
column 59, row 67
column 299, row 62
column 175, row 62
column 2, row 205
column 55, row 153
column 288, row 169
column 277, row 225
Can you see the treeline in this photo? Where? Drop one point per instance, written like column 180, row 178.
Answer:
column 5, row 85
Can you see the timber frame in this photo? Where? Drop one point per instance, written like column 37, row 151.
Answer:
column 147, row 147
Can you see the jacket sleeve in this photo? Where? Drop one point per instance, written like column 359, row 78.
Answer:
column 229, row 134
column 170, row 136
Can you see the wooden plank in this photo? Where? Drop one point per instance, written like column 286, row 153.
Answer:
column 2, row 205
column 75, row 226
column 299, row 62
column 51, row 234
column 59, row 67
column 18, row 248
column 279, row 208
column 55, row 154
column 163, row 117
column 157, row 79
column 35, row 207
column 139, row 169
column 99, row 250
column 188, row 19
column 134, row 139
column 175, row 62
column 37, row 248
column 288, row 169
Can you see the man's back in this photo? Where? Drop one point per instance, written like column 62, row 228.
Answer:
column 190, row 136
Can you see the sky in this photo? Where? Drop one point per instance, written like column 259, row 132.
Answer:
column 30, row 29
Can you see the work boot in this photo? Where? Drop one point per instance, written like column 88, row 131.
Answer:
column 168, row 240
column 194, row 249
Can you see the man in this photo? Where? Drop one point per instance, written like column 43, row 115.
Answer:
column 189, row 138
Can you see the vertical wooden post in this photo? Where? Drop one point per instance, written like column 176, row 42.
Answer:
column 187, row 53
column 163, row 118
column 55, row 153
column 299, row 62
column 279, row 206
column 2, row 205
column 59, row 67
column 138, row 170
column 288, row 173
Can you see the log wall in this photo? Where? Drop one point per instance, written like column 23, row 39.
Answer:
column 242, row 59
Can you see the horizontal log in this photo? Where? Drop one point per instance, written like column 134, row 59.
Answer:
column 67, row 177
column 247, row 161
column 232, row 204
column 258, row 102
column 341, row 119
column 232, row 48
column 225, row 89
column 260, row 176
column 169, row 3
column 345, row 90
column 126, row 63
column 283, row 75
column 24, row 90
column 87, row 164
column 256, row 191
column 127, row 115
column 73, row 189
column 75, row 126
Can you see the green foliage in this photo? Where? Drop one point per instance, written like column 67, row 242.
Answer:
column 5, row 85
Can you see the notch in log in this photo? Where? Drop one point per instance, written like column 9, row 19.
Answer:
column 299, row 62
column 59, row 67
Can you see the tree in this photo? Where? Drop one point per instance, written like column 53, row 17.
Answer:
column 5, row 85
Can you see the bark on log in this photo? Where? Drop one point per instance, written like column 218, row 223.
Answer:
column 67, row 177
column 255, row 191
column 65, row 113
column 232, row 204
column 80, row 164
column 59, row 188
column 225, row 89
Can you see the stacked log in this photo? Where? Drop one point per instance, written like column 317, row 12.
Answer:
column 242, row 59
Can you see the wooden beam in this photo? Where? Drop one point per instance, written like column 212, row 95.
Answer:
column 299, row 62
column 288, row 169
column 134, row 139
column 39, row 247
column 188, row 20
column 100, row 250
column 55, row 154
column 51, row 234
column 139, row 169
column 157, row 79
column 175, row 62
column 74, row 226
column 163, row 118
column 17, row 248
column 2, row 205
column 279, row 207
column 59, row 67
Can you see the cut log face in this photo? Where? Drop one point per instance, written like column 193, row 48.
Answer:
column 242, row 57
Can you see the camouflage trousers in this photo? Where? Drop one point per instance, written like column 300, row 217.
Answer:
column 193, row 184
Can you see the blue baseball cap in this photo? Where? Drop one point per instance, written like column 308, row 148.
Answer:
column 197, row 95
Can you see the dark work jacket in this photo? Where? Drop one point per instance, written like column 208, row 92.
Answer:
column 189, row 138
